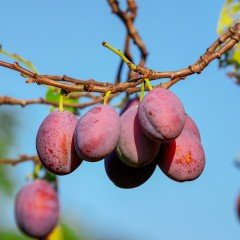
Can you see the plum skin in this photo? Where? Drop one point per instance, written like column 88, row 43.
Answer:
column 97, row 133
column 182, row 159
column 37, row 208
column 161, row 115
column 54, row 143
column 124, row 176
column 134, row 147
column 191, row 126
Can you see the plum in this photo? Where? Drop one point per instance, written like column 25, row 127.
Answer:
column 191, row 126
column 161, row 115
column 54, row 143
column 97, row 133
column 182, row 159
column 134, row 147
column 124, row 176
column 37, row 209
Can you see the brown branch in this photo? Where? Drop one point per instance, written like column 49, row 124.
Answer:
column 75, row 81
column 84, row 95
column 225, row 42
column 87, row 86
column 22, row 158
column 128, row 19
column 131, row 13
column 128, row 54
column 6, row 100
column 216, row 50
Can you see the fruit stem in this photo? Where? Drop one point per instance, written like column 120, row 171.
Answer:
column 62, row 94
column 149, row 85
column 121, row 55
column 106, row 97
column 36, row 171
column 142, row 90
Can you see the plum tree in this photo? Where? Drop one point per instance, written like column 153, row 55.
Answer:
column 97, row 133
column 158, row 130
column 37, row 209
column 161, row 115
column 134, row 147
column 54, row 143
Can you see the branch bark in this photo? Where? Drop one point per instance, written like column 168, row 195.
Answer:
column 216, row 50
column 6, row 100
column 22, row 158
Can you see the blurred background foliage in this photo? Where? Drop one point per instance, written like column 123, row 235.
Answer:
column 229, row 15
column 9, row 122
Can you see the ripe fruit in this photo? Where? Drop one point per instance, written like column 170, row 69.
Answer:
column 54, row 143
column 37, row 209
column 182, row 159
column 124, row 176
column 161, row 115
column 134, row 147
column 190, row 125
column 97, row 133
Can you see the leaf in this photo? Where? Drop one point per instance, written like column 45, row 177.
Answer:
column 54, row 96
column 69, row 233
column 225, row 19
column 20, row 59
column 10, row 235
column 236, row 8
column 229, row 14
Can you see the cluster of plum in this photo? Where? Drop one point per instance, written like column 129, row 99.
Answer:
column 153, row 132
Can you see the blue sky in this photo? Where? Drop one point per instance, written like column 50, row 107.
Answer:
column 64, row 37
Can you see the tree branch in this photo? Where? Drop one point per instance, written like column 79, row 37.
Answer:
column 6, row 100
column 128, row 20
column 216, row 50
column 22, row 158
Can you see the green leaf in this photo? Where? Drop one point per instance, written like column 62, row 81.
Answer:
column 20, row 59
column 236, row 8
column 69, row 233
column 225, row 19
column 54, row 96
column 10, row 235
column 229, row 14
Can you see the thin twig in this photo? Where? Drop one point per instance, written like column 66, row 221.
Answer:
column 128, row 21
column 22, row 158
column 6, row 100
column 216, row 50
